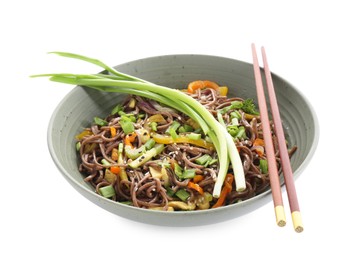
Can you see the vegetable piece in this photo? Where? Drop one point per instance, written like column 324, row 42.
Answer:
column 263, row 165
column 158, row 148
column 115, row 169
column 129, row 138
column 182, row 194
column 122, row 173
column 180, row 205
column 225, row 191
column 203, row 202
column 201, row 84
column 188, row 173
column 107, row 191
column 165, row 139
column 143, row 135
column 223, row 90
column 83, row 134
column 99, row 121
column 109, row 176
column 116, row 109
column 113, row 131
column 134, row 153
column 197, row 178
column 172, row 129
column 203, row 159
column 258, row 142
column 150, row 144
column 127, row 126
column 249, row 107
column 195, row 187
column 194, row 136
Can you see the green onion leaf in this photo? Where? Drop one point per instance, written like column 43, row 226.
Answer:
column 99, row 121
column 107, row 191
column 182, row 194
column 127, row 126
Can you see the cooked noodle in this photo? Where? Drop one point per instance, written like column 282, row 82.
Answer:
column 141, row 188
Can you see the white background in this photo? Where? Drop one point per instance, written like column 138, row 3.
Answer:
column 312, row 44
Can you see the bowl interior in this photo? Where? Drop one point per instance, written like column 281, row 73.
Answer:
column 77, row 109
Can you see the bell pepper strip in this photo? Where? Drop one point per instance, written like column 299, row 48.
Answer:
column 223, row 90
column 129, row 138
column 158, row 148
column 227, row 188
column 122, row 173
column 166, row 139
column 113, row 131
column 83, row 134
column 258, row 142
column 201, row 84
column 195, row 187
column 197, row 178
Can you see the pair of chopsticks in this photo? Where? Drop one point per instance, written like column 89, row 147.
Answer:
column 283, row 152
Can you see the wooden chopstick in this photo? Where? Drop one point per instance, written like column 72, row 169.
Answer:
column 283, row 151
column 268, row 142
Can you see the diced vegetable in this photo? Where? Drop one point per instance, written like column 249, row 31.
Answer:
column 158, row 148
column 182, row 194
column 165, row 139
column 127, row 126
column 107, row 191
column 203, row 159
column 194, row 136
column 263, row 165
column 99, row 121
column 195, row 187
column 227, row 188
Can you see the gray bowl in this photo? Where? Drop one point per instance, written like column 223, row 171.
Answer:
column 80, row 105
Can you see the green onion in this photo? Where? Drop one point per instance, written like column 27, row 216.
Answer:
column 241, row 133
column 120, row 147
column 182, row 194
column 99, row 121
column 116, row 109
column 107, row 191
column 178, row 170
column 172, row 129
column 263, row 165
column 153, row 126
column 194, row 136
column 123, row 83
column 105, row 162
column 78, row 146
column 203, row 159
column 149, row 143
column 158, row 148
column 188, row 173
column 127, row 126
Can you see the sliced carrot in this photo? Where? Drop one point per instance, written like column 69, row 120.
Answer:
column 225, row 191
column 197, row 178
column 258, row 142
column 195, row 186
column 115, row 169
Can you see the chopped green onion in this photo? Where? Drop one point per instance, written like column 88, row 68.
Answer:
column 116, row 109
column 78, row 146
column 263, row 165
column 107, row 191
column 188, row 173
column 178, row 170
column 234, row 121
column 153, row 126
column 158, row 148
column 150, row 143
column 172, row 129
column 99, row 121
column 105, row 162
column 194, row 136
column 235, row 114
column 182, row 194
column 134, row 153
column 203, row 159
column 127, row 126
column 241, row 133
column 120, row 147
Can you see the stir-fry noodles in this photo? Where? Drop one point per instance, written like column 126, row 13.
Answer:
column 151, row 156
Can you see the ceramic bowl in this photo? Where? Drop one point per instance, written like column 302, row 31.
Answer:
column 80, row 105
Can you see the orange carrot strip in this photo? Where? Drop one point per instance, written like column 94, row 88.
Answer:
column 197, row 178
column 115, row 169
column 225, row 191
column 195, row 186
column 258, row 142
column 129, row 138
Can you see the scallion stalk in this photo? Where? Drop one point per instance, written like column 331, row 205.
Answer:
column 123, row 83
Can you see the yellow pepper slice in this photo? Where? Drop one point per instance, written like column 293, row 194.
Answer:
column 167, row 139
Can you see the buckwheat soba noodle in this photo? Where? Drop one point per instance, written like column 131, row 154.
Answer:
column 151, row 156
